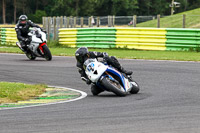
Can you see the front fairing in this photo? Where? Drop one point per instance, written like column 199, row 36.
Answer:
column 37, row 38
column 34, row 33
column 94, row 69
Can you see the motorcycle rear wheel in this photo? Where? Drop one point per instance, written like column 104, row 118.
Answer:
column 47, row 53
column 113, row 87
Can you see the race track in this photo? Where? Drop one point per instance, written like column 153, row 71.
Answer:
column 169, row 100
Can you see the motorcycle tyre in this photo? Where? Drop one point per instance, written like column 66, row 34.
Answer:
column 30, row 56
column 47, row 53
column 107, row 84
column 135, row 89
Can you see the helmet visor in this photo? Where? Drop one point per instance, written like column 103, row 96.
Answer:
column 23, row 22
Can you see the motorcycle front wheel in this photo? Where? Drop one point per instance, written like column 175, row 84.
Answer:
column 135, row 89
column 113, row 86
column 47, row 53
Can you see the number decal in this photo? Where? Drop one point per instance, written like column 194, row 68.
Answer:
column 90, row 67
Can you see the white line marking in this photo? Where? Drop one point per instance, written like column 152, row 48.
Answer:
column 83, row 95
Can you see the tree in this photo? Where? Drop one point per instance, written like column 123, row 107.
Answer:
column 4, row 11
column 116, row 7
column 37, row 17
column 11, row 9
column 77, row 7
column 15, row 10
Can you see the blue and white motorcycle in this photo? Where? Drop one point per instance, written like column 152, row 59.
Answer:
column 109, row 79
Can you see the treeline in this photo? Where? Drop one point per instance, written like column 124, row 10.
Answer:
column 35, row 9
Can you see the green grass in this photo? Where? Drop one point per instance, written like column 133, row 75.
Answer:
column 176, row 20
column 13, row 92
column 123, row 53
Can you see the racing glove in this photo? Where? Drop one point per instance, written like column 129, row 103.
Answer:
column 86, row 80
column 44, row 31
column 27, row 39
column 105, row 54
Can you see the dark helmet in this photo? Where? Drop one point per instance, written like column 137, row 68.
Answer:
column 81, row 53
column 23, row 19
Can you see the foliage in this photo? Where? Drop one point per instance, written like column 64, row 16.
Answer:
column 38, row 8
column 37, row 17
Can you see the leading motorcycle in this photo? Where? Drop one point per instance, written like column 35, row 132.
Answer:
column 107, row 78
column 38, row 45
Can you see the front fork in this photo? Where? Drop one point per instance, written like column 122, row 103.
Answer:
column 40, row 47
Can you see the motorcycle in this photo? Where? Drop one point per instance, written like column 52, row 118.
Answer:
column 38, row 45
column 107, row 78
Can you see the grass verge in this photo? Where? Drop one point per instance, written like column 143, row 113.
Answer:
column 122, row 53
column 13, row 92
column 176, row 20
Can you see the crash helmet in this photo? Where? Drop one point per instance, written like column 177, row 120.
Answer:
column 23, row 20
column 81, row 54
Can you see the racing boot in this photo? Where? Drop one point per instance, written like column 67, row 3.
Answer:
column 115, row 63
column 24, row 49
column 22, row 46
column 95, row 90
column 127, row 72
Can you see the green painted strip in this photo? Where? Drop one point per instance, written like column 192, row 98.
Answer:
column 93, row 39
column 173, row 41
column 96, row 44
column 181, row 45
column 182, row 39
column 3, row 34
column 105, row 31
column 183, row 32
column 59, row 97
column 96, row 37
column 177, row 49
column 3, row 29
column 96, row 33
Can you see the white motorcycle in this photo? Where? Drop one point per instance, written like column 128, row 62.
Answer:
column 108, row 78
column 38, row 45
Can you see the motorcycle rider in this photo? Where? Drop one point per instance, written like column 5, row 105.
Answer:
column 22, row 30
column 82, row 54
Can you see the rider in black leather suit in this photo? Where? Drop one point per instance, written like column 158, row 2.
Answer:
column 22, row 30
column 82, row 54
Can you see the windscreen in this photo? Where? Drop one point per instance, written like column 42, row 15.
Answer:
column 87, row 62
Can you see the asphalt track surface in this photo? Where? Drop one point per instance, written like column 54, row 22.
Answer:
column 169, row 100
